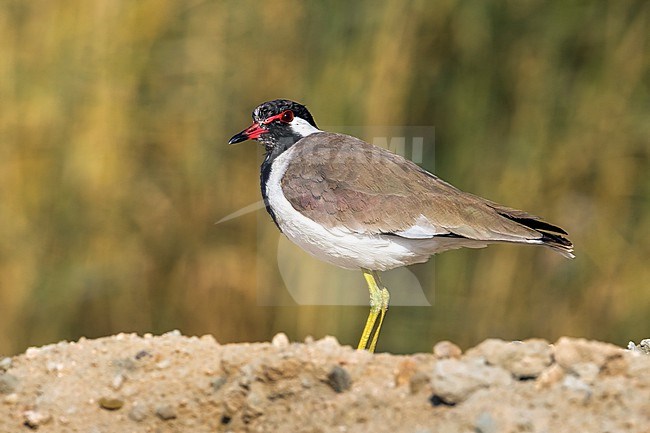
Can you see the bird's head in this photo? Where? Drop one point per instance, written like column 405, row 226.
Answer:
column 278, row 123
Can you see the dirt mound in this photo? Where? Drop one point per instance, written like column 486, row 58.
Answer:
column 173, row 383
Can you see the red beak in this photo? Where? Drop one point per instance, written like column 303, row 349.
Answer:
column 253, row 132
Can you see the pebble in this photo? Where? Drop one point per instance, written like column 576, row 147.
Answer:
column 138, row 412
column 166, row 412
column 575, row 384
column 218, row 383
column 328, row 344
column 8, row 383
column 550, row 376
column 161, row 365
column 524, row 359
column 34, row 419
column 117, row 381
column 207, row 338
column 404, row 371
column 280, row 340
column 454, row 380
column 5, row 363
column 172, row 333
column 485, row 423
column 570, row 352
column 587, row 371
column 418, row 381
column 436, row 401
column 254, row 406
column 111, row 403
column 306, row 382
column 339, row 379
column 643, row 347
column 11, row 398
column 446, row 349
column 53, row 366
column 32, row 352
column 141, row 354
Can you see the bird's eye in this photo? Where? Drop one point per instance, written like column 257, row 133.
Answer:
column 287, row 116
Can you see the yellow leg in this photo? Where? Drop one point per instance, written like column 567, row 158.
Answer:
column 378, row 305
column 385, row 297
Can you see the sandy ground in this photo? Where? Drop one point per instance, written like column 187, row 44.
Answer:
column 172, row 383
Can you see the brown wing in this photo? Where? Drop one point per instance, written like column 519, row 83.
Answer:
column 341, row 181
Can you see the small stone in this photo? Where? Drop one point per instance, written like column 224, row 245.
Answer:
column 172, row 333
column 34, row 419
column 254, row 406
column 138, row 412
column 418, row 381
column 166, row 412
column 117, row 381
column 618, row 366
column 141, row 354
column 436, row 401
column 524, row 359
column 163, row 364
column 54, row 367
column 234, row 397
column 587, row 371
column 218, row 383
column 11, row 398
column 339, row 379
column 207, row 338
column 328, row 343
column 5, row 363
column 575, row 384
column 454, row 380
column 446, row 349
column 405, row 369
column 306, row 382
column 111, row 403
column 32, row 352
column 572, row 351
column 550, row 376
column 8, row 383
column 485, row 423
column 643, row 347
column 280, row 340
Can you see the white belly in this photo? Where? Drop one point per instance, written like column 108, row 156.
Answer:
column 340, row 246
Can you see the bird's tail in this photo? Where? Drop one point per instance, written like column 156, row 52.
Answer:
column 553, row 236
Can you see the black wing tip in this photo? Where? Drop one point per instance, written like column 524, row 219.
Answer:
column 536, row 224
column 558, row 243
column 552, row 238
column 552, row 235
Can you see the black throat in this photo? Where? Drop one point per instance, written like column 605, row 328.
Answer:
column 272, row 152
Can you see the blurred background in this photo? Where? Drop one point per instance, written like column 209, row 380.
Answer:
column 114, row 168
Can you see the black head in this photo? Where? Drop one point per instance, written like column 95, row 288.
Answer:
column 278, row 123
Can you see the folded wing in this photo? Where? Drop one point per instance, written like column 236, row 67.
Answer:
column 341, row 181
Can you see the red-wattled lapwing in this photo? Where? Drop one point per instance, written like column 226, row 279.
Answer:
column 359, row 206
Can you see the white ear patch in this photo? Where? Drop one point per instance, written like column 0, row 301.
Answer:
column 302, row 128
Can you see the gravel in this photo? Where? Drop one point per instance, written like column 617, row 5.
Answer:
column 176, row 383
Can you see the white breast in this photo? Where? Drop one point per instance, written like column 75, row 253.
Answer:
column 341, row 247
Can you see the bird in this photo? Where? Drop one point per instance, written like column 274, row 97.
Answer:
column 359, row 206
